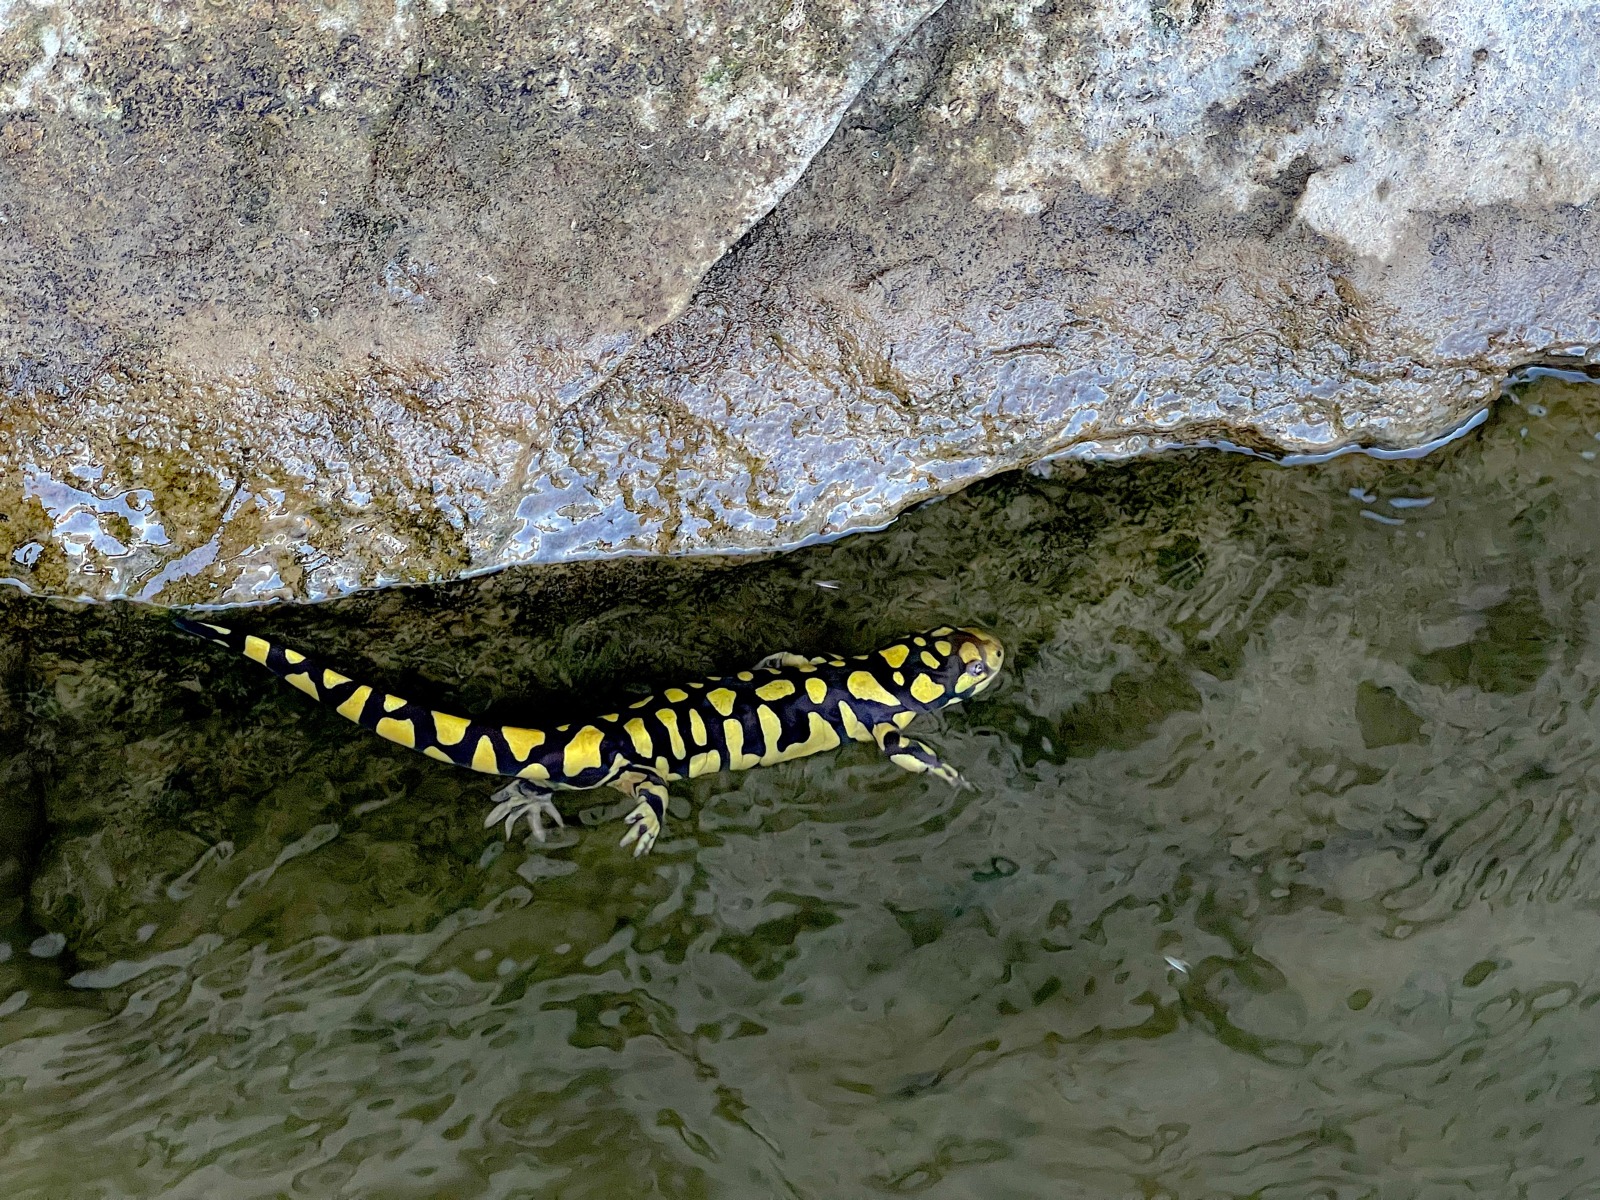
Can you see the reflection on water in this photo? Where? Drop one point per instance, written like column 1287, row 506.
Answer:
column 1279, row 878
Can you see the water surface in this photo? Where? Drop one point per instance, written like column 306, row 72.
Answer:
column 1278, row 879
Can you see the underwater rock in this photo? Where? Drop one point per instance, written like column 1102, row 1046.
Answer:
column 302, row 299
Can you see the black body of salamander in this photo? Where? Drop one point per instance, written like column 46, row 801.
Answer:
column 783, row 708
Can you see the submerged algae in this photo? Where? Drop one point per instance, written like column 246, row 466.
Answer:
column 1279, row 873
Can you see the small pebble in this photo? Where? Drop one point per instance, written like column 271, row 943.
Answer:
column 48, row 946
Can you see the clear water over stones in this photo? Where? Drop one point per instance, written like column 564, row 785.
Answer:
column 1279, row 875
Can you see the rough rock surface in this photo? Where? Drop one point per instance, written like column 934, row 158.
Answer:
column 301, row 298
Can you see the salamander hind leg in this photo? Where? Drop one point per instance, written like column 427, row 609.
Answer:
column 649, row 815
column 917, row 757
column 783, row 658
column 523, row 801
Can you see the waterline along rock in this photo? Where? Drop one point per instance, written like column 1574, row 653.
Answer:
column 301, row 298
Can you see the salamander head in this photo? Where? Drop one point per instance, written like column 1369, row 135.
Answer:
column 981, row 655
column 945, row 666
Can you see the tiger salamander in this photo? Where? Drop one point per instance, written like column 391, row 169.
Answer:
column 784, row 707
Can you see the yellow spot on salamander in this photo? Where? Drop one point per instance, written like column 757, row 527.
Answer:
column 930, row 660
column 925, row 689
column 707, row 762
column 641, row 737
column 894, row 655
column 521, row 742
column 676, row 695
column 534, row 770
column 820, row 736
column 771, row 731
column 448, row 730
column 902, row 719
column 745, row 676
column 943, row 648
column 817, row 690
column 899, row 679
column 484, row 758
column 582, row 752
column 733, row 735
column 863, row 686
column 852, row 723
column 393, row 703
column 293, row 656
column 402, row 732
column 332, row 679
column 722, row 700
column 697, row 728
column 776, row 690
column 303, row 681
column 435, row 752
column 256, row 648
column 353, row 705
column 669, row 722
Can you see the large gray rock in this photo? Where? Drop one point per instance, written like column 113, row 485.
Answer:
column 299, row 300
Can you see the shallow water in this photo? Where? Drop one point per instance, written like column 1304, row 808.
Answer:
column 1279, row 878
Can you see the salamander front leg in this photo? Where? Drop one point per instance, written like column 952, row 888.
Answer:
column 914, row 756
column 523, row 801
column 648, row 815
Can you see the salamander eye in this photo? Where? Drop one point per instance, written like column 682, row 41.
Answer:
column 977, row 670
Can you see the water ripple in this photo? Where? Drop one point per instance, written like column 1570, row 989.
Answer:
column 1278, row 880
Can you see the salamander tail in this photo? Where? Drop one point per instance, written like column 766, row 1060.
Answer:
column 212, row 633
column 492, row 749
